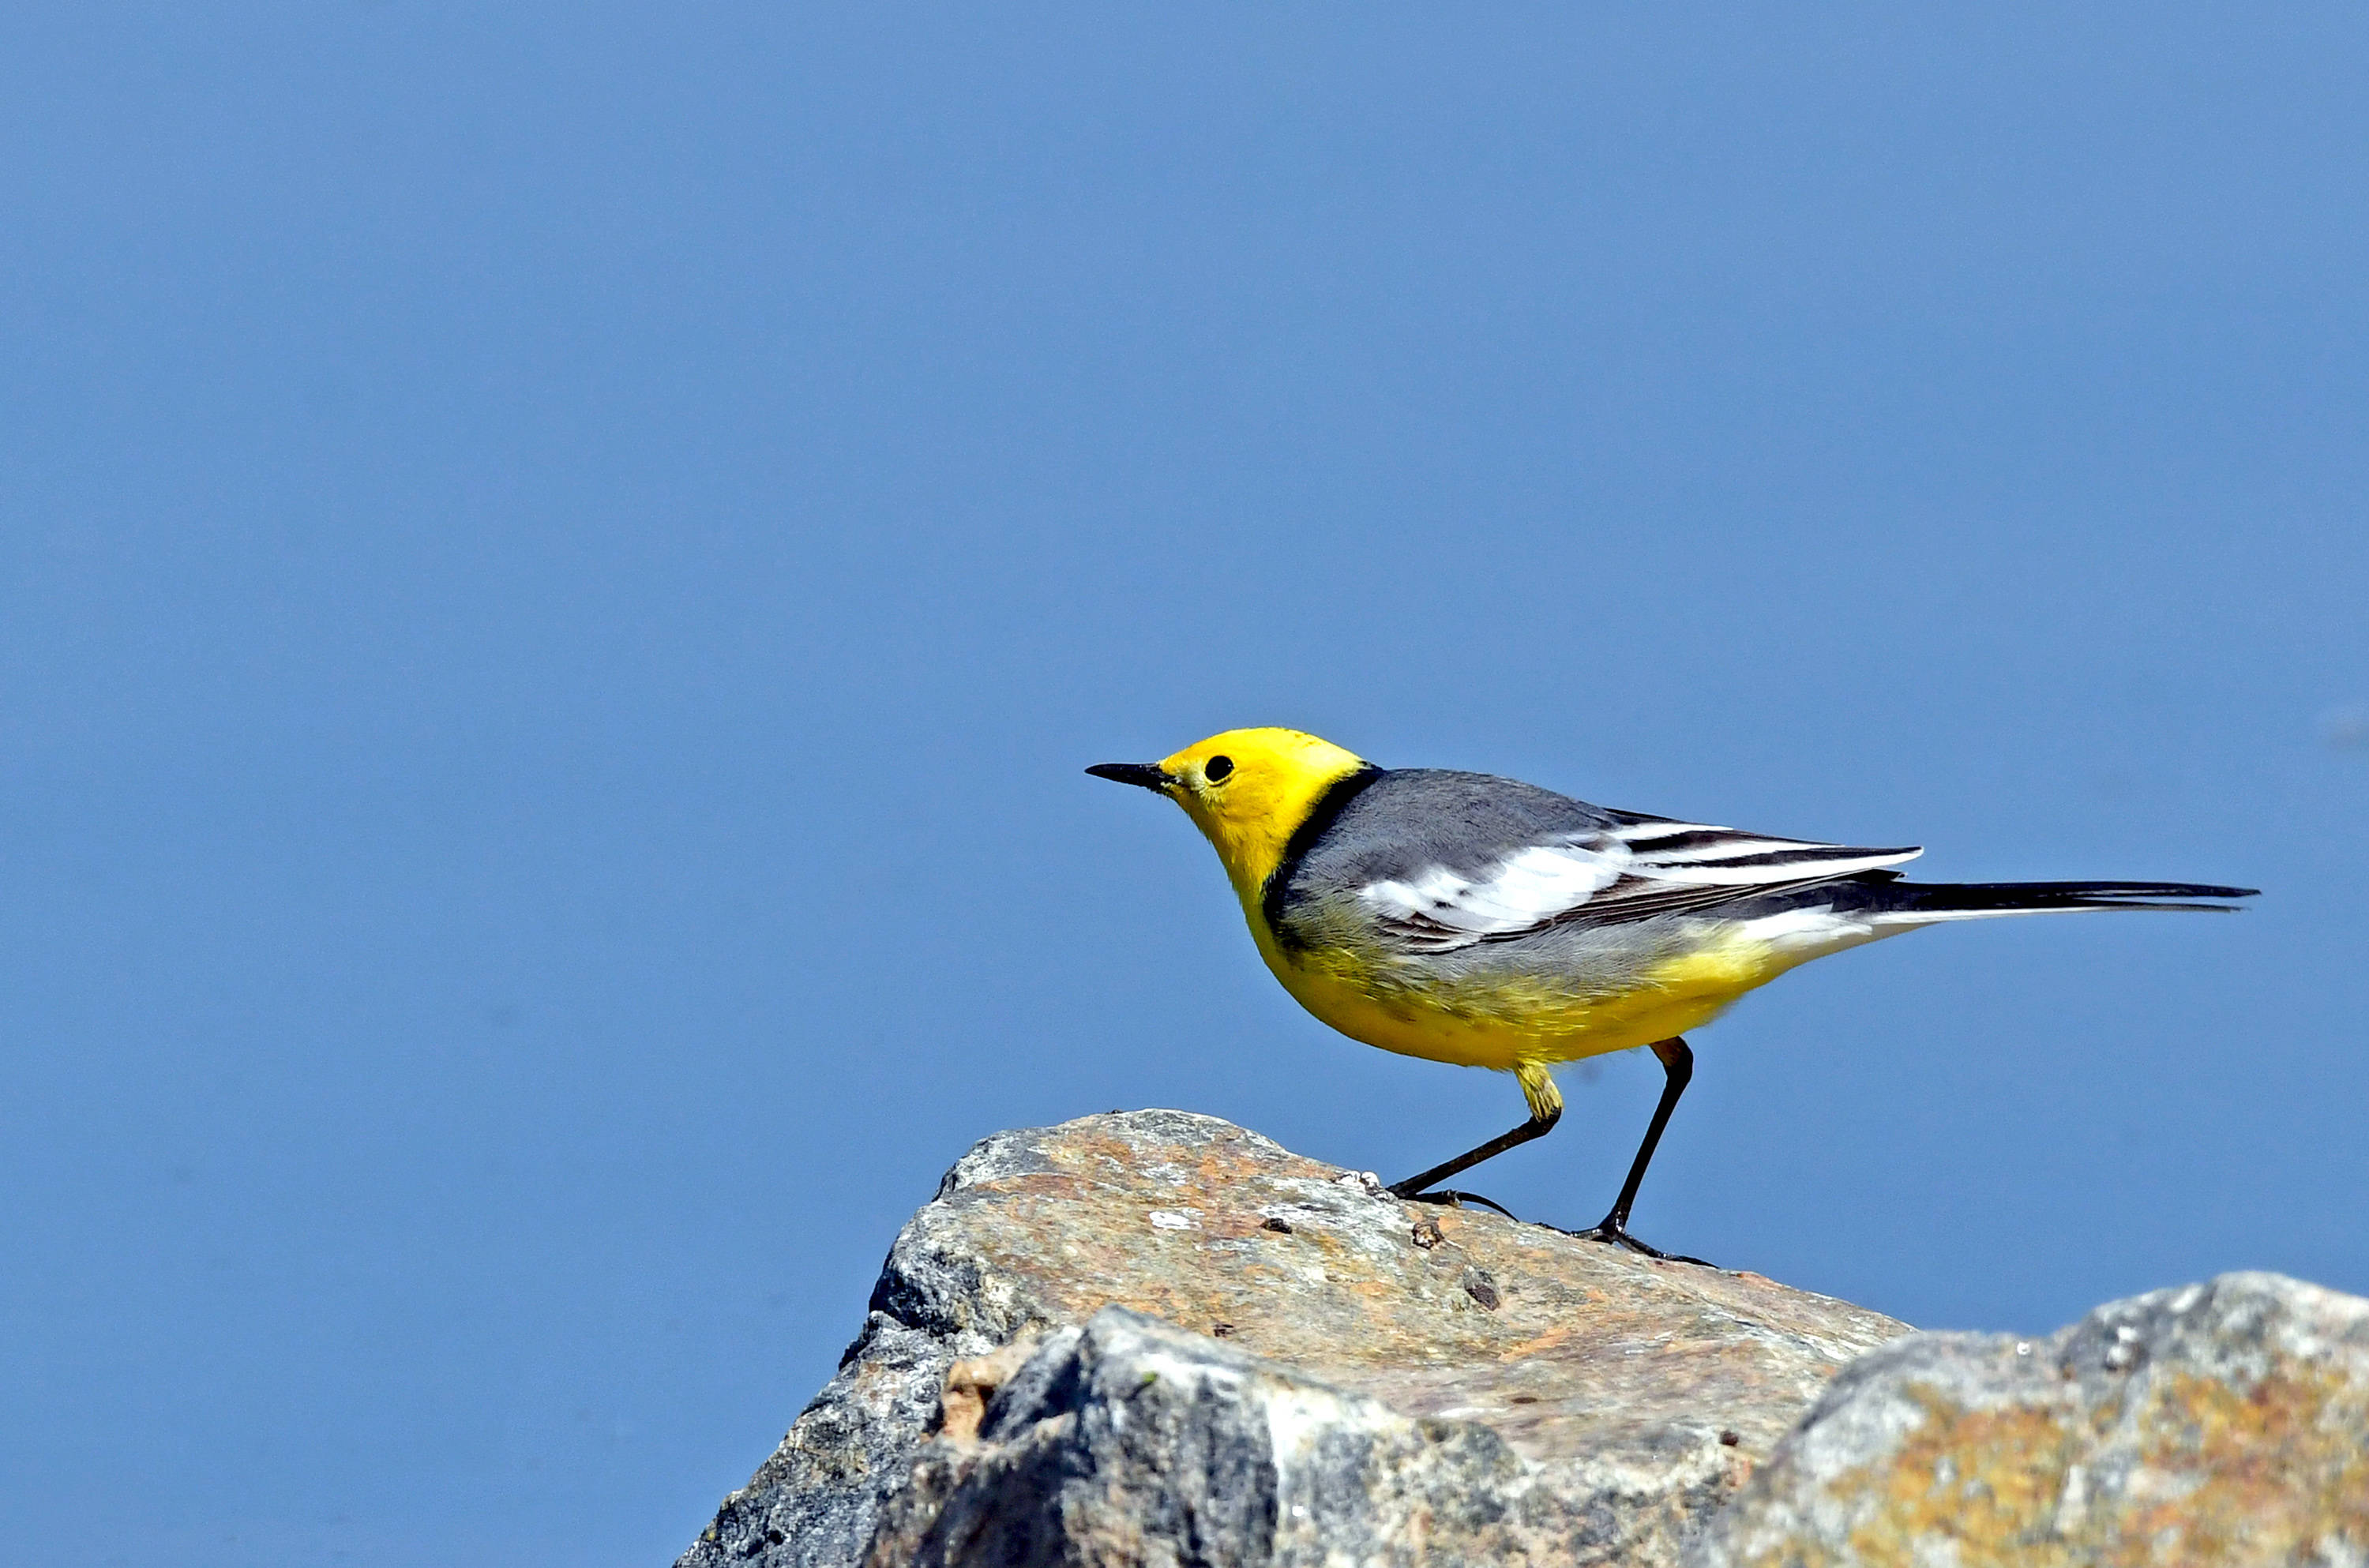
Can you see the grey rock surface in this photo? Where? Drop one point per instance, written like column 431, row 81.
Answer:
column 1604, row 1404
column 1130, row 1441
column 2217, row 1424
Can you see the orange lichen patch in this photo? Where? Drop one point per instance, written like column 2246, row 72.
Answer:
column 1553, row 1338
column 2199, row 1471
column 1213, row 1163
column 2276, row 1473
column 1988, row 1481
column 970, row 1384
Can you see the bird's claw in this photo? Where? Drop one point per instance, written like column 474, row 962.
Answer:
column 1457, row 1199
column 1613, row 1234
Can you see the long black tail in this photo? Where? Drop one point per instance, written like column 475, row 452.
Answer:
column 1941, row 900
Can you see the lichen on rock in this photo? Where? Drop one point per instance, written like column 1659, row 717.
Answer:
column 2225, row 1422
column 1625, row 1397
column 1156, row 1339
column 1129, row 1441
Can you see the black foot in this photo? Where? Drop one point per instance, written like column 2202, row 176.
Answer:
column 1613, row 1234
column 1458, row 1199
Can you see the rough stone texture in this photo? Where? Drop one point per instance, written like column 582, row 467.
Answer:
column 1616, row 1399
column 2222, row 1424
column 1129, row 1441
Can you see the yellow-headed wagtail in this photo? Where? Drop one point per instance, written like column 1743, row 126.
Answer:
column 1478, row 921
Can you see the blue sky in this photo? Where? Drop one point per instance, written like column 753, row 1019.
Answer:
column 559, row 570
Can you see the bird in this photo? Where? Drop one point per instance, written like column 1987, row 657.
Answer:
column 1474, row 920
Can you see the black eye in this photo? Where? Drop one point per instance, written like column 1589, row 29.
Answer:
column 1216, row 769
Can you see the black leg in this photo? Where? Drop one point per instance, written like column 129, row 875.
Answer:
column 1537, row 1127
column 1546, row 1109
column 1678, row 1064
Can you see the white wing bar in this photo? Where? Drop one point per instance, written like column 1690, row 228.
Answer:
column 1606, row 875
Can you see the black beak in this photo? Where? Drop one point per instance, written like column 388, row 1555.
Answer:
column 1144, row 775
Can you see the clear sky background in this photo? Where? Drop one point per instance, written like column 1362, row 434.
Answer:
column 559, row 565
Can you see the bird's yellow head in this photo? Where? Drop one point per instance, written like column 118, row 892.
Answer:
column 1246, row 790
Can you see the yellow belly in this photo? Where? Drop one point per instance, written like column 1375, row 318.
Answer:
column 1508, row 1024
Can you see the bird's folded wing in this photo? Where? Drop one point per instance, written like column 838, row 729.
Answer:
column 1628, row 872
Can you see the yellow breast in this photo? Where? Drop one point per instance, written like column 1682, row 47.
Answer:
column 1506, row 1022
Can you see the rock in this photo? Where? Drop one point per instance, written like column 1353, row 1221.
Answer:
column 2225, row 1424
column 1130, row 1441
column 1512, row 1391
